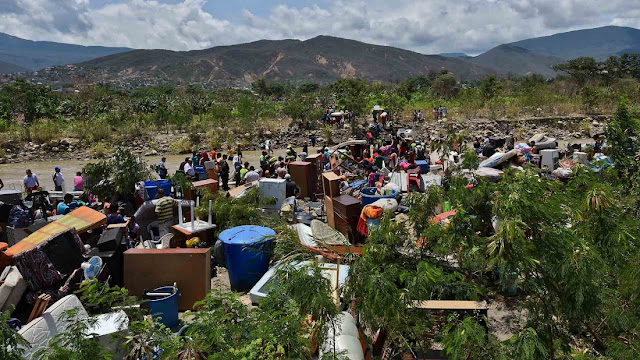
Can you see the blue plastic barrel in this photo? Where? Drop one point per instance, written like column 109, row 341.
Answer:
column 246, row 252
column 369, row 197
column 165, row 308
column 152, row 187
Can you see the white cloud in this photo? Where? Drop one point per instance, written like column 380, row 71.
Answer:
column 428, row 26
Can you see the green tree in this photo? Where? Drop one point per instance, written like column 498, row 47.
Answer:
column 445, row 86
column 117, row 175
column 260, row 86
column 621, row 133
column 582, row 69
column 490, row 87
column 297, row 109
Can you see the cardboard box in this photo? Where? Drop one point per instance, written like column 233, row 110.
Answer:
column 151, row 268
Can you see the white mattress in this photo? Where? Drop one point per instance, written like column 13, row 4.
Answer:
column 12, row 289
column 39, row 331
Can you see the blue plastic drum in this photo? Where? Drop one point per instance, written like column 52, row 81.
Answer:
column 152, row 187
column 165, row 308
column 247, row 253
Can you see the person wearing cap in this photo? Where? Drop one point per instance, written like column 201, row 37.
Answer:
column 58, row 179
column 292, row 189
column 291, row 154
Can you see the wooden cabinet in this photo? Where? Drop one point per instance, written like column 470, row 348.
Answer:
column 301, row 174
column 331, row 183
column 151, row 268
column 346, row 213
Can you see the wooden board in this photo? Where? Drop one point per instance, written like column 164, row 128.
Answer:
column 328, row 204
column 151, row 268
column 449, row 305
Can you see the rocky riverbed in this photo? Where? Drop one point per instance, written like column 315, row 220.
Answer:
column 565, row 129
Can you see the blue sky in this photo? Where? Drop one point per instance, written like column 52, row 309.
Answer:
column 425, row 26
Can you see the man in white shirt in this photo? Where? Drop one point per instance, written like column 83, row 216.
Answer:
column 31, row 182
column 268, row 145
column 58, row 179
column 251, row 175
column 189, row 169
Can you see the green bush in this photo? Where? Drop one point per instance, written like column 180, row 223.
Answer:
column 42, row 131
column 181, row 146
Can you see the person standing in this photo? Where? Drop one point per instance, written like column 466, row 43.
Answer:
column 251, row 175
column 224, row 171
column 164, row 212
column 78, row 183
column 268, row 146
column 58, row 179
column 237, row 167
column 30, row 182
column 162, row 168
column 313, row 140
column 281, row 172
column 292, row 189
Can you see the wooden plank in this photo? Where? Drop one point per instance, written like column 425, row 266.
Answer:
column 449, row 305
column 39, row 307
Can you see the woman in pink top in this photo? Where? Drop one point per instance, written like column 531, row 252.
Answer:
column 77, row 182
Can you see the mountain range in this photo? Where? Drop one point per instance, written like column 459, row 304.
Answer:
column 321, row 59
column 36, row 55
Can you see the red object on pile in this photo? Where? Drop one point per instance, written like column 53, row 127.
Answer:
column 368, row 212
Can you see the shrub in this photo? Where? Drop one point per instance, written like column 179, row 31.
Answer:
column 99, row 150
column 181, row 146
column 41, row 131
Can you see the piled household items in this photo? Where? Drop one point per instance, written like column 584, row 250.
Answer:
column 45, row 258
column 540, row 151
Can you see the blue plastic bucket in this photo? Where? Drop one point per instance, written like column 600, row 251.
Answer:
column 247, row 253
column 165, row 308
column 368, row 196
